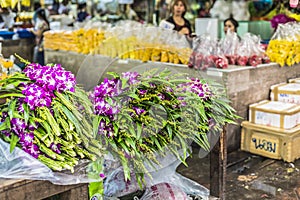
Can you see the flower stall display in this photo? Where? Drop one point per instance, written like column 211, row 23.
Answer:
column 281, row 19
column 284, row 45
column 231, row 50
column 141, row 115
column 126, row 40
column 46, row 115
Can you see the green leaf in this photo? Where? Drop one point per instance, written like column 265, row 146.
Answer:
column 7, row 122
column 17, row 115
column 139, row 131
column 96, row 123
column 124, row 82
column 3, row 126
column 157, row 143
column 11, row 108
column 124, row 147
column 170, row 132
column 72, row 118
column 109, row 101
column 183, row 147
column 116, row 129
column 132, row 144
column 126, row 169
column 145, row 84
column 113, row 74
column 13, row 142
column 164, row 73
column 47, row 127
column 26, row 113
column 133, row 95
column 12, row 95
column 131, row 130
column 96, row 188
column 176, row 81
column 52, row 122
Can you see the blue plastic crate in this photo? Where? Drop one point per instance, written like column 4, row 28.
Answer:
column 6, row 34
column 25, row 34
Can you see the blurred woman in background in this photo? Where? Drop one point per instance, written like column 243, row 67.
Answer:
column 178, row 10
column 42, row 25
column 230, row 24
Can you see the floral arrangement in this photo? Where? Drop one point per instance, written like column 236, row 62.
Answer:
column 283, row 47
column 48, row 116
column 141, row 115
column 280, row 19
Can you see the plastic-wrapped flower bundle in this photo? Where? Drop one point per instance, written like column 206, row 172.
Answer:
column 280, row 19
column 284, row 45
column 141, row 115
column 48, row 116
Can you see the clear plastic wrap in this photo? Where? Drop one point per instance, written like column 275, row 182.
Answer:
column 229, row 46
column 40, row 141
column 252, row 52
column 164, row 191
column 116, row 186
column 167, row 174
column 203, row 49
column 284, row 44
column 20, row 165
column 145, row 43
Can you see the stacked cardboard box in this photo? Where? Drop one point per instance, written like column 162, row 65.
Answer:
column 273, row 129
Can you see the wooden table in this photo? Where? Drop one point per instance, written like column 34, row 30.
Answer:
column 13, row 189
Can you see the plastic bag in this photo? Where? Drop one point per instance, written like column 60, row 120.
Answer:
column 229, row 46
column 203, row 49
column 115, row 184
column 165, row 172
column 20, row 165
column 164, row 191
column 252, row 48
column 283, row 46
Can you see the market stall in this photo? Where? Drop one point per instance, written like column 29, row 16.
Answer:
column 158, row 97
column 245, row 84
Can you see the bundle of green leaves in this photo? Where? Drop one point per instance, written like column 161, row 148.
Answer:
column 142, row 115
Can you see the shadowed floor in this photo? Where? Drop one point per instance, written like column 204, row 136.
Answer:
column 249, row 176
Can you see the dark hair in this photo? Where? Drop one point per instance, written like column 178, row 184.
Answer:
column 36, row 5
column 184, row 4
column 81, row 6
column 233, row 21
column 42, row 14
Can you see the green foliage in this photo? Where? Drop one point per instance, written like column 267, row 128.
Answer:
column 165, row 125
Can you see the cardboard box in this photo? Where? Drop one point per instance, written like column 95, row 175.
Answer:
column 275, row 113
column 271, row 142
column 294, row 80
column 286, row 92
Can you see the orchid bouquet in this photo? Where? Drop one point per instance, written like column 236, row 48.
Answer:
column 48, row 116
column 142, row 115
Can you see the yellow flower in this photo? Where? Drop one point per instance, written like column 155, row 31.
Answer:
column 3, row 76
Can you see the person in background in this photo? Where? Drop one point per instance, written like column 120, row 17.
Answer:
column 82, row 13
column 8, row 18
column 64, row 7
column 37, row 6
column 42, row 25
column 178, row 10
column 230, row 24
